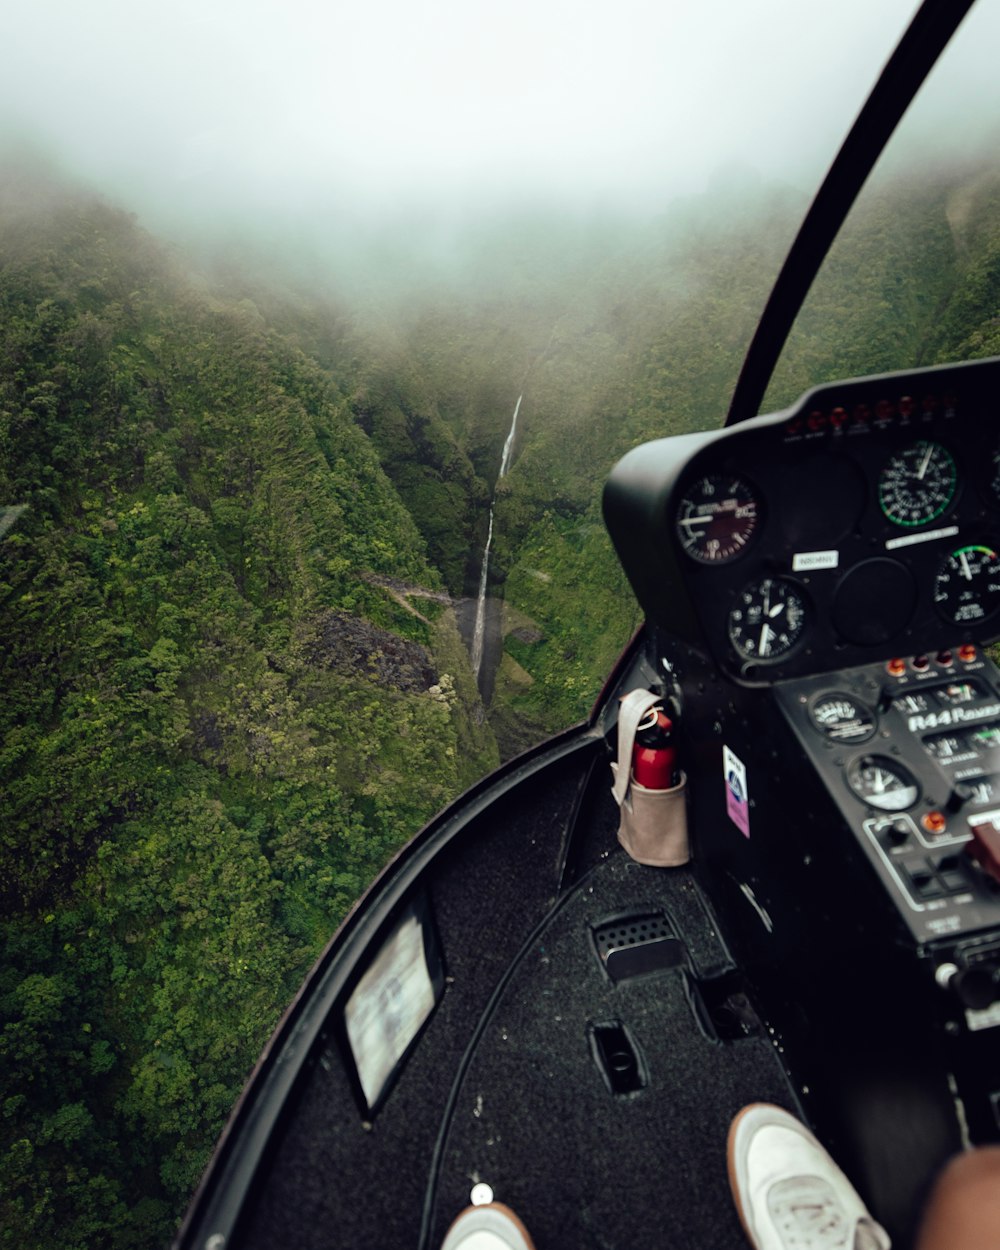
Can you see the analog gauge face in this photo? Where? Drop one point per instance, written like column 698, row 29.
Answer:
column 842, row 718
column 883, row 783
column 768, row 619
column 967, row 586
column 917, row 484
column 717, row 517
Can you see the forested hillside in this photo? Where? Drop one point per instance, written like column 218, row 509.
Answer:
column 233, row 673
column 231, row 688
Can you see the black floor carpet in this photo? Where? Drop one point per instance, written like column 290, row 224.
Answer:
column 534, row 1116
column 503, row 1086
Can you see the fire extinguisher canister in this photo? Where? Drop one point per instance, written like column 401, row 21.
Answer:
column 654, row 756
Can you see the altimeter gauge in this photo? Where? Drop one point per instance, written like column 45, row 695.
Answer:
column 917, row 484
column 717, row 517
column 767, row 619
column 882, row 783
column 967, row 586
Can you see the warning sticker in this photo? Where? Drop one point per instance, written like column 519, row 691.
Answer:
column 737, row 800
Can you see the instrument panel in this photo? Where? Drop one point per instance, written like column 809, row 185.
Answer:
column 863, row 522
column 911, row 760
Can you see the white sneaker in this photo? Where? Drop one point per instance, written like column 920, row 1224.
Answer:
column 789, row 1192
column 489, row 1227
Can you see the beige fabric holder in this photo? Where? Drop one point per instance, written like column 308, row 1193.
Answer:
column 653, row 826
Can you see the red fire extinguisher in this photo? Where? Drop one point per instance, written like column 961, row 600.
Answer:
column 654, row 756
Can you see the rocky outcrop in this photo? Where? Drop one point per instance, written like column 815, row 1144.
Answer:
column 353, row 645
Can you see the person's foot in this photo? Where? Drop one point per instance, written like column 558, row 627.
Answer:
column 489, row 1227
column 789, row 1193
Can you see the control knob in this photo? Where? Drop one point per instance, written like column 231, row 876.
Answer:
column 975, row 987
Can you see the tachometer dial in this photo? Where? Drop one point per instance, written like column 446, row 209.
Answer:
column 768, row 619
column 917, row 484
column 842, row 718
column 883, row 783
column 717, row 517
column 967, row 586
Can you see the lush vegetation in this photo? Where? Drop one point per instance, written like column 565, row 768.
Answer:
column 226, row 701
column 233, row 677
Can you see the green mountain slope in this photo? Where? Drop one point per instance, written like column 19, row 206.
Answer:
column 232, row 686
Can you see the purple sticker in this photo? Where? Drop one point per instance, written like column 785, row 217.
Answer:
column 737, row 799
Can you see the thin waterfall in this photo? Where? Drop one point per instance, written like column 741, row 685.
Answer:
column 508, row 446
column 479, row 630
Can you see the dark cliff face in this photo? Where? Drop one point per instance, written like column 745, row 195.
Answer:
column 352, row 645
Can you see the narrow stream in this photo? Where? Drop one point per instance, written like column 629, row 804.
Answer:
column 479, row 630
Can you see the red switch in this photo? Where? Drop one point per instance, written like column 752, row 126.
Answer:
column 985, row 847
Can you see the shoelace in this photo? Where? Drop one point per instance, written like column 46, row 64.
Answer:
column 808, row 1216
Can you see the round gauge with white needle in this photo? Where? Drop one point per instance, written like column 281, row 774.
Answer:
column 882, row 783
column 967, row 586
column 767, row 619
column 917, row 484
column 717, row 517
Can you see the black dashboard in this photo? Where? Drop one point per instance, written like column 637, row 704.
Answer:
column 861, row 524
column 819, row 587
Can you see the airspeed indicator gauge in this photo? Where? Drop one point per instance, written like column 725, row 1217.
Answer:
column 717, row 516
column 917, row 484
column 967, row 586
column 767, row 619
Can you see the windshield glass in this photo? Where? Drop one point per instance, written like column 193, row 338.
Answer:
column 909, row 280
column 321, row 328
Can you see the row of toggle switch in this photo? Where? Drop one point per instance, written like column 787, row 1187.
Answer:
column 898, row 666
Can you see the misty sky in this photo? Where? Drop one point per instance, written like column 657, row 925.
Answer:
column 196, row 106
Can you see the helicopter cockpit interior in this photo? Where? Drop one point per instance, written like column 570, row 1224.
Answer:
column 518, row 1007
column 827, row 581
column 845, row 555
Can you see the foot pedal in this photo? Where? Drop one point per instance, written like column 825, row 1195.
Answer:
column 636, row 945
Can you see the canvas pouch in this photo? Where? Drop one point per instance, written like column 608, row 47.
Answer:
column 653, row 824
